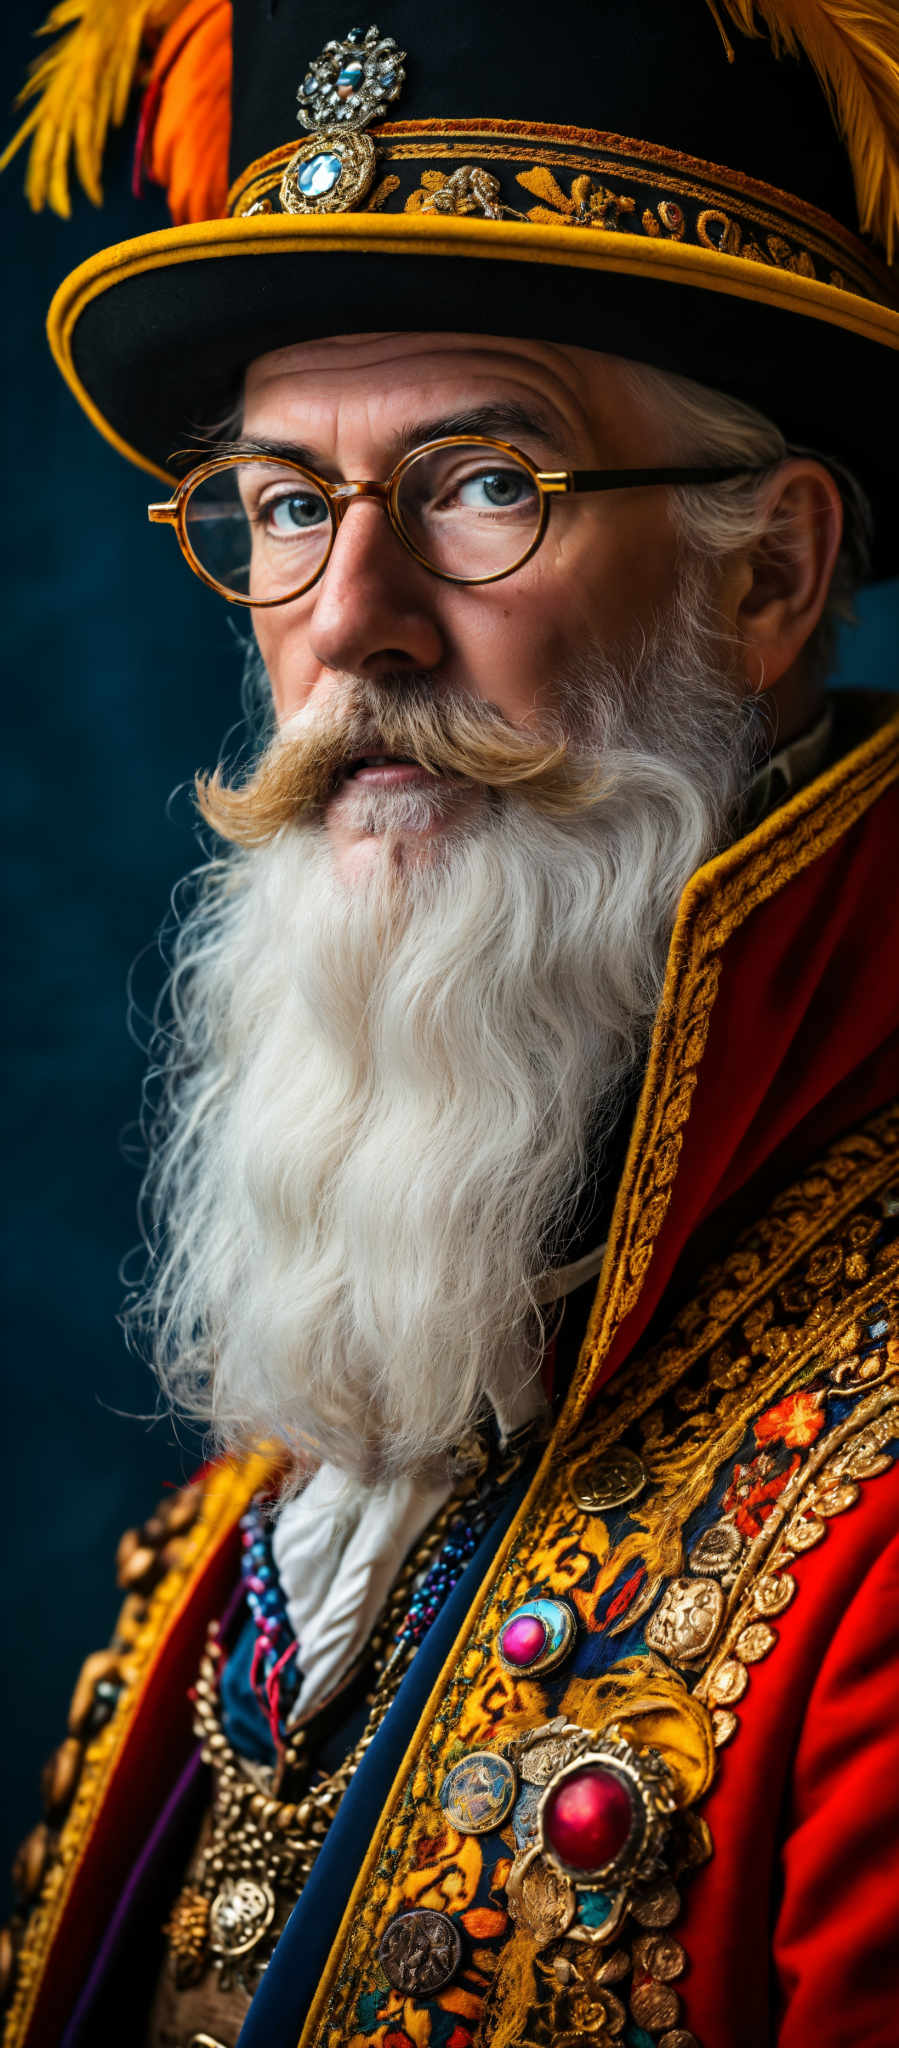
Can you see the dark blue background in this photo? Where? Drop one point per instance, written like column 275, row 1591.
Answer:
column 124, row 675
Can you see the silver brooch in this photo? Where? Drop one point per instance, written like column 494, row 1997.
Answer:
column 349, row 85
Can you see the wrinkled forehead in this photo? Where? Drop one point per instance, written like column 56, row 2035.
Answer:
column 369, row 387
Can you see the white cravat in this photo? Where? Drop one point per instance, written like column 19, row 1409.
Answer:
column 338, row 1548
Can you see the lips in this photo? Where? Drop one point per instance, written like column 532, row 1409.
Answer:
column 385, row 769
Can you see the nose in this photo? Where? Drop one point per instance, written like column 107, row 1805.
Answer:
column 373, row 610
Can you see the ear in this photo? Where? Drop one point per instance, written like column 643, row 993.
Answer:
column 786, row 574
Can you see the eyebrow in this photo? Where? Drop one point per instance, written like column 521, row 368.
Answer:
column 498, row 421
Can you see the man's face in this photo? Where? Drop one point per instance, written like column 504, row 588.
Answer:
column 606, row 565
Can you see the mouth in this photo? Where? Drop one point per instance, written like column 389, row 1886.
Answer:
column 385, row 770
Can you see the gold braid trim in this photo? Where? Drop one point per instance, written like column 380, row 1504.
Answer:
column 807, row 1326
column 226, row 1492
column 733, row 213
column 715, row 903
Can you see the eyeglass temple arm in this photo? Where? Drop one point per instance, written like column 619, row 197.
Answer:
column 167, row 515
column 625, row 479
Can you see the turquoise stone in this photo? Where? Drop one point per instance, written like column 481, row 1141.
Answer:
column 320, row 174
column 349, row 78
column 593, row 1908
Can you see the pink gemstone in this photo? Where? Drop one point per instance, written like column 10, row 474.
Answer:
column 522, row 1639
column 588, row 1818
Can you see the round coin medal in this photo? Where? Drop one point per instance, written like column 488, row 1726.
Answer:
column 608, row 1479
column 541, row 1898
column 420, row 1951
column 478, row 1793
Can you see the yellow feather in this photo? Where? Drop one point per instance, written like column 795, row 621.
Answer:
column 81, row 87
column 854, row 48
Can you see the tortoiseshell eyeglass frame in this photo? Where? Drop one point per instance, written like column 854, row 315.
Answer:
column 549, row 483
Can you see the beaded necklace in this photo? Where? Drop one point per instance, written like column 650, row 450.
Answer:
column 261, row 1845
column 274, row 1673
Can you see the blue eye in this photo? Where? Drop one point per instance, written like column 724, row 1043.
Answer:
column 295, row 513
column 499, row 490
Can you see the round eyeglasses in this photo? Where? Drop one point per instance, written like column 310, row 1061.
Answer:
column 259, row 528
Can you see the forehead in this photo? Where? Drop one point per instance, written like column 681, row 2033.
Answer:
column 367, row 385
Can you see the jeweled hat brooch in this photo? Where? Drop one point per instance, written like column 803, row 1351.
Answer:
column 350, row 85
column 712, row 188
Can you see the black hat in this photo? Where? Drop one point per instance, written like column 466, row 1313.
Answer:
column 673, row 181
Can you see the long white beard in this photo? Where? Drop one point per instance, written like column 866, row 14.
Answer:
column 382, row 1106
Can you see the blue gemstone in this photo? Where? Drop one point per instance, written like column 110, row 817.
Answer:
column 593, row 1908
column 310, row 86
column 386, row 77
column 356, row 35
column 351, row 76
column 320, row 174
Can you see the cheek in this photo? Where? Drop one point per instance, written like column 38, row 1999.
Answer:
column 583, row 588
column 284, row 651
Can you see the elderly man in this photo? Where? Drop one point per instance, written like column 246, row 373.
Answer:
column 521, row 1201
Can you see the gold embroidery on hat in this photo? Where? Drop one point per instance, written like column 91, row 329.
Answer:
column 470, row 189
column 383, row 191
column 588, row 205
column 671, row 217
column 744, row 218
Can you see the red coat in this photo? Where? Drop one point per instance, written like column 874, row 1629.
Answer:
column 762, row 1144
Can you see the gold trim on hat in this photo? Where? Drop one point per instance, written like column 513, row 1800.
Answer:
column 419, row 236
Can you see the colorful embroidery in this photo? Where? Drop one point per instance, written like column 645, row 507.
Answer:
column 590, row 179
column 761, row 1421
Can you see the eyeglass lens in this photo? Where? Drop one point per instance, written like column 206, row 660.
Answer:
column 469, row 511
column 262, row 529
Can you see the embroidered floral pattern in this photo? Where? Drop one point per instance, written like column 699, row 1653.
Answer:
column 759, row 1438
column 468, row 190
column 584, row 179
column 588, row 204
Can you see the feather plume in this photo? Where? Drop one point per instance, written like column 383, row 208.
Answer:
column 80, row 88
column 186, row 117
column 854, row 48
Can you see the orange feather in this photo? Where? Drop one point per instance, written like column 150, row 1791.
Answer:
column 186, row 148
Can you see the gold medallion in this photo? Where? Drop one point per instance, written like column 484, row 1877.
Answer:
column 660, row 1956
column 656, row 1905
column 717, row 1550
column 541, row 1898
column 607, row 1479
column 654, row 2005
column 687, row 1619
column 773, row 1592
column 728, row 1683
column 754, row 1642
column 548, row 1750
column 240, row 1914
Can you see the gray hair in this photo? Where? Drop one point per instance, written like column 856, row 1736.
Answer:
column 720, row 520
